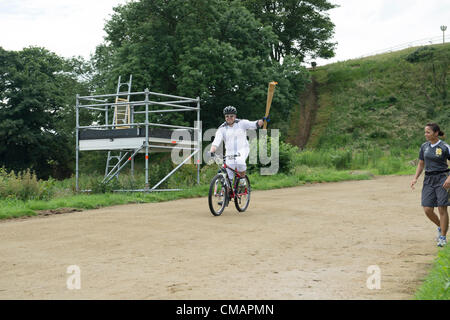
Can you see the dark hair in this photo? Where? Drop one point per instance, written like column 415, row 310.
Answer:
column 435, row 128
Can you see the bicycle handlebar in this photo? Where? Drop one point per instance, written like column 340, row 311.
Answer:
column 233, row 156
column 220, row 159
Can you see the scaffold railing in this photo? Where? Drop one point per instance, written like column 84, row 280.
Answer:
column 140, row 135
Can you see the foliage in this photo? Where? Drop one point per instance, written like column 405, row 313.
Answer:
column 431, row 74
column 381, row 101
column 420, row 54
column 37, row 90
column 437, row 283
column 285, row 157
column 185, row 176
column 303, row 28
column 216, row 50
column 379, row 161
column 24, row 186
column 24, row 194
column 15, row 208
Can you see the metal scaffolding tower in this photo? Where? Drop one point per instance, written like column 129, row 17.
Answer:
column 129, row 137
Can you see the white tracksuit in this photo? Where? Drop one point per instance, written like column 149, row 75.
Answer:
column 235, row 139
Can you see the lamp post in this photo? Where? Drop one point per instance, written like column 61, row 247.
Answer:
column 443, row 28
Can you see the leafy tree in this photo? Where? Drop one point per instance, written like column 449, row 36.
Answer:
column 37, row 90
column 212, row 49
column 302, row 26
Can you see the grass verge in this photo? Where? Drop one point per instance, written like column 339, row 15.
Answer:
column 437, row 283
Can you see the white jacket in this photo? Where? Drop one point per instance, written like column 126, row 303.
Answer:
column 235, row 137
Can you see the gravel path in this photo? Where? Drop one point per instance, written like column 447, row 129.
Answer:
column 310, row 242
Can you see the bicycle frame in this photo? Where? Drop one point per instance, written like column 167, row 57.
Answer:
column 223, row 189
column 223, row 169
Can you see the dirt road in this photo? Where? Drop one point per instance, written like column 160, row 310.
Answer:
column 309, row 242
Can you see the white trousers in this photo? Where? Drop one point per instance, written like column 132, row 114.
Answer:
column 238, row 164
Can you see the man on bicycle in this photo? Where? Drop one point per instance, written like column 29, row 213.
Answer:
column 233, row 133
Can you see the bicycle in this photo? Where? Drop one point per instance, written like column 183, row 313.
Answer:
column 221, row 191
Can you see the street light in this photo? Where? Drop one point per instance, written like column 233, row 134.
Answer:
column 443, row 28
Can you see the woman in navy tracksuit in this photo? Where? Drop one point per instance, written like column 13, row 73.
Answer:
column 433, row 157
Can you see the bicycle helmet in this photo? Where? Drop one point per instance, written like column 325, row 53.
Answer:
column 229, row 110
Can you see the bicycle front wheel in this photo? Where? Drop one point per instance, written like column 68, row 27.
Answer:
column 217, row 197
column 242, row 194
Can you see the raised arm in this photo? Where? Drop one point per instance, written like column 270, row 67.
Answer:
column 252, row 124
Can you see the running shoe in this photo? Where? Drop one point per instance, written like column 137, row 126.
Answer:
column 442, row 241
column 438, row 233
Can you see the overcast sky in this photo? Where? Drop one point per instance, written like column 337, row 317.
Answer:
column 75, row 27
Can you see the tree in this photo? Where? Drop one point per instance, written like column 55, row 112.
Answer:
column 302, row 26
column 212, row 49
column 37, row 90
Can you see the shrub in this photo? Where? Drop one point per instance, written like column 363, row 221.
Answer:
column 22, row 186
column 342, row 159
column 313, row 158
column 185, row 176
column 207, row 172
column 97, row 185
column 286, row 156
column 421, row 54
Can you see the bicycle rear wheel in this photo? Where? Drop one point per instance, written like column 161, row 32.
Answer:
column 243, row 191
column 218, row 193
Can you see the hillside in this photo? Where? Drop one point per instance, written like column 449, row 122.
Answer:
column 383, row 100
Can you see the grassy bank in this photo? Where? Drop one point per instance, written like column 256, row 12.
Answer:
column 382, row 100
column 437, row 283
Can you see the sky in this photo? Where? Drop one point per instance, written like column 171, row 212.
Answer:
column 66, row 27
column 75, row 27
column 364, row 27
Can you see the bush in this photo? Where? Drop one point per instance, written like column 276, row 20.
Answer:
column 185, row 176
column 207, row 173
column 421, row 54
column 360, row 159
column 342, row 159
column 286, row 156
column 97, row 185
column 24, row 186
column 386, row 162
column 338, row 159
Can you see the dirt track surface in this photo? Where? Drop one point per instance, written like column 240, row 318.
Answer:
column 308, row 242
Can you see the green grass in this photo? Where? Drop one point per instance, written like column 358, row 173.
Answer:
column 383, row 100
column 376, row 160
column 437, row 283
column 14, row 209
